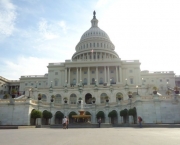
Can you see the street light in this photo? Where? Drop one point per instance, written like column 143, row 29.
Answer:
column 142, row 81
column 126, row 81
column 50, row 88
column 137, row 89
column 29, row 93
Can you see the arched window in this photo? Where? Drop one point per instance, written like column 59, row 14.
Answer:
column 74, row 81
column 44, row 98
column 101, row 81
column 58, row 98
column 73, row 99
column 102, row 98
column 93, row 81
column 85, row 81
column 112, row 81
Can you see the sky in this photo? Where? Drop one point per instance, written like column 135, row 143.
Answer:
column 34, row 33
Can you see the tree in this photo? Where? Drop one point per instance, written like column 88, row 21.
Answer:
column 71, row 114
column 59, row 115
column 100, row 114
column 47, row 115
column 112, row 114
column 88, row 113
column 36, row 114
column 132, row 112
column 124, row 113
column 6, row 96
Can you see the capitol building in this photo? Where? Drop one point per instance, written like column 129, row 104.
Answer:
column 96, row 75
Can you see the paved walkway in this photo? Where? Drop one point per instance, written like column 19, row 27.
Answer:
column 95, row 136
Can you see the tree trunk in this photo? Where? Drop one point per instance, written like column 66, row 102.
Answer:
column 34, row 121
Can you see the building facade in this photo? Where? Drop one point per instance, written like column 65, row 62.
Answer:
column 95, row 72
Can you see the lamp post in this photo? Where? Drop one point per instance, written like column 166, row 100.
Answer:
column 142, row 81
column 51, row 106
column 29, row 93
column 51, row 89
column 137, row 90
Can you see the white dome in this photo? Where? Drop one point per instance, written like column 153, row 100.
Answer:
column 94, row 32
column 95, row 40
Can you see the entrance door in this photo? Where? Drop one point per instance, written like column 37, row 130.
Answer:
column 88, row 98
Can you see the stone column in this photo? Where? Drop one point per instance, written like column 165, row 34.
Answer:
column 116, row 75
column 88, row 77
column 77, row 77
column 65, row 75
column 80, row 74
column 105, row 80
column 97, row 80
column 69, row 79
column 120, row 75
column 108, row 76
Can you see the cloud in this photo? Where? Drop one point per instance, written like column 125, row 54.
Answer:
column 46, row 31
column 24, row 66
column 7, row 18
column 62, row 24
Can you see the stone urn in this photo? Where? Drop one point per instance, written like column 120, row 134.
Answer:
column 154, row 92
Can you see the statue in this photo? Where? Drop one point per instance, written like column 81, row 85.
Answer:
column 94, row 13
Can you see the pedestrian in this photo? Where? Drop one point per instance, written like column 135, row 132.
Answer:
column 99, row 122
column 140, row 120
column 67, row 123
column 64, row 122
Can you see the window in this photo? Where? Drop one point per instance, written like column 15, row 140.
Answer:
column 93, row 81
column 74, row 72
column 39, row 83
column 101, row 44
column 112, row 81
column 101, row 81
column 25, row 84
column 160, row 80
column 56, row 83
column 97, row 44
column 85, row 72
column 94, row 44
column 73, row 99
column 93, row 72
column 152, row 80
column 90, row 45
column 58, row 98
column 131, row 80
column 130, row 71
column 32, row 84
column 87, row 45
column 101, row 71
column 102, row 99
column 112, row 71
column 74, row 81
column 167, row 80
column 56, row 73
column 85, row 81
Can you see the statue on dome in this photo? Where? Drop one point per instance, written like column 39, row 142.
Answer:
column 94, row 13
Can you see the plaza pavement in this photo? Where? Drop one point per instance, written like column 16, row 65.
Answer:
column 94, row 136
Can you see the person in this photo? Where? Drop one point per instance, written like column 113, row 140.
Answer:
column 140, row 120
column 64, row 122
column 99, row 122
column 67, row 123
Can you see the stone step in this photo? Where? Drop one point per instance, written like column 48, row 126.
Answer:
column 82, row 125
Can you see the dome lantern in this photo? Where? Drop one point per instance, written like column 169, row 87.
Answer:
column 94, row 21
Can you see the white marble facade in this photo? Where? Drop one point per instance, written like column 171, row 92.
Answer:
column 95, row 70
